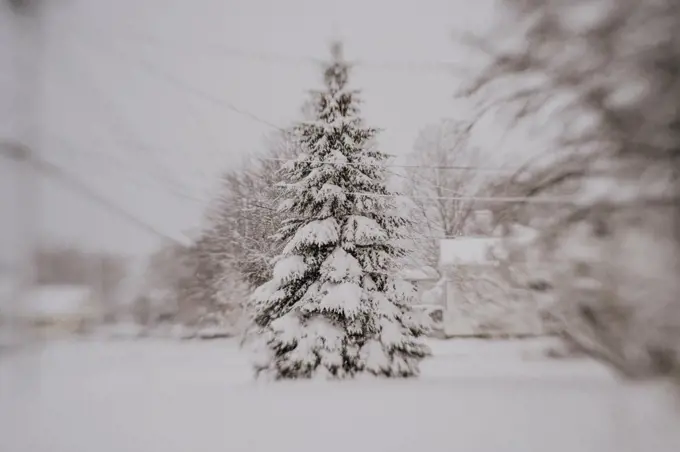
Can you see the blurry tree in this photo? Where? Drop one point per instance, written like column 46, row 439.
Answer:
column 234, row 251
column 244, row 215
column 166, row 274
column 606, row 75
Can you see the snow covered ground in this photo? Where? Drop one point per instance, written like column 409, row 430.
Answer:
column 168, row 396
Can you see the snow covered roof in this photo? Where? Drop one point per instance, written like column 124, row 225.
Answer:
column 57, row 300
column 520, row 234
column 467, row 251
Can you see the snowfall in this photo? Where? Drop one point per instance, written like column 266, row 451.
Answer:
column 157, row 395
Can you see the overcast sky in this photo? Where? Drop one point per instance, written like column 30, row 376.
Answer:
column 134, row 96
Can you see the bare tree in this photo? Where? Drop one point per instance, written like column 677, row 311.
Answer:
column 606, row 75
column 234, row 251
column 442, row 166
column 169, row 270
column 245, row 215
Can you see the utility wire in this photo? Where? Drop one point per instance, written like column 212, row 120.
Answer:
column 82, row 188
column 122, row 131
column 225, row 103
column 172, row 188
column 143, row 37
column 410, row 66
column 498, row 199
column 18, row 153
column 58, row 173
column 222, row 102
column 177, row 82
column 445, row 167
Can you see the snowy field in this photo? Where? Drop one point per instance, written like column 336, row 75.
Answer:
column 165, row 396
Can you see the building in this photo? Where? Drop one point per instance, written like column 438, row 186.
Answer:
column 58, row 309
column 475, row 252
column 480, row 297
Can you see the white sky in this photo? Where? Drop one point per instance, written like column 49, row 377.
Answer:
column 127, row 86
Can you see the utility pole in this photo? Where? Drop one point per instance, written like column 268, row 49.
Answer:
column 21, row 148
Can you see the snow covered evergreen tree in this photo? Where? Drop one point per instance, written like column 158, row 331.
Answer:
column 334, row 307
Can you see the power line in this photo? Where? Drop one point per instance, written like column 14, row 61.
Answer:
column 410, row 66
column 225, row 103
column 172, row 188
column 222, row 102
column 63, row 176
column 183, row 85
column 498, row 199
column 82, row 188
column 129, row 139
column 206, row 96
column 423, row 180
column 123, row 132
column 23, row 154
column 184, row 48
column 445, row 167
column 257, row 118
column 177, row 82
column 60, row 174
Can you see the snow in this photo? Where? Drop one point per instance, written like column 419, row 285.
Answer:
column 316, row 336
column 467, row 251
column 321, row 337
column 318, row 232
column 374, row 356
column 288, row 327
column 341, row 266
column 289, row 267
column 123, row 330
column 391, row 333
column 344, row 297
column 363, row 231
column 167, row 396
column 522, row 235
column 330, row 191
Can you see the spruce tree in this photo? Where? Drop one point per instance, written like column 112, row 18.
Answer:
column 334, row 307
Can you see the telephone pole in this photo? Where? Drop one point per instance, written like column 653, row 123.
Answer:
column 21, row 148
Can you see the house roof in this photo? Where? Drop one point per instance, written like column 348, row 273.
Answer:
column 467, row 251
column 523, row 235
